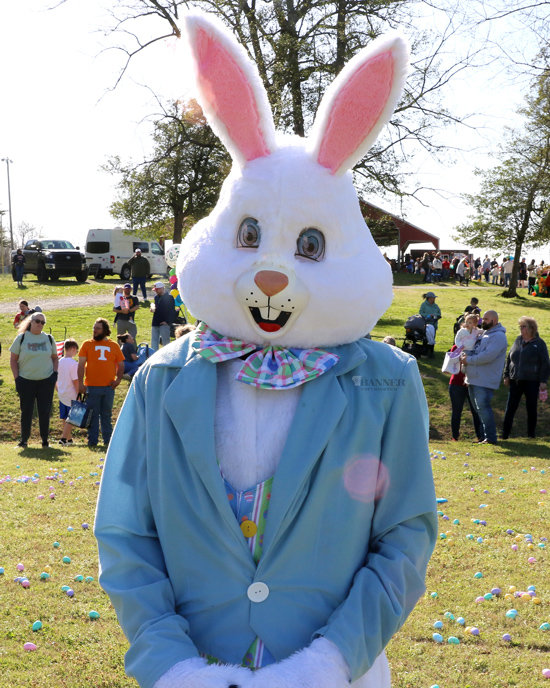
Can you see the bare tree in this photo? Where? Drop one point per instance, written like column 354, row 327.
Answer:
column 25, row 231
column 300, row 45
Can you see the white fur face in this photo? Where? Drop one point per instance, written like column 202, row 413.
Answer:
column 262, row 291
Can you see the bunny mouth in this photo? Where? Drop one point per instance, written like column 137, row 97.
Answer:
column 274, row 323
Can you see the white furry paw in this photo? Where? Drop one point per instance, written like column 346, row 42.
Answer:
column 196, row 673
column 320, row 665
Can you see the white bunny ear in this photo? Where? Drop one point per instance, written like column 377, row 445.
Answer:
column 358, row 103
column 231, row 93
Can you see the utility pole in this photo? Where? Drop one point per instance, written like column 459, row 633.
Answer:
column 2, row 247
column 7, row 161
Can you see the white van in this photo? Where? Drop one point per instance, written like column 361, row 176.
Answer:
column 109, row 250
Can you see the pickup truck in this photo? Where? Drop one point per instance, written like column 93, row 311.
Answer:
column 53, row 258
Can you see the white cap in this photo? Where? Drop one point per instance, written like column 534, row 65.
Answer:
column 158, row 285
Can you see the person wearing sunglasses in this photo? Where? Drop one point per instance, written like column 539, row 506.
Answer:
column 34, row 364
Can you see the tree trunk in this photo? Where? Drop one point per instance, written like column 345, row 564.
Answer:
column 520, row 238
column 287, row 24
column 178, row 226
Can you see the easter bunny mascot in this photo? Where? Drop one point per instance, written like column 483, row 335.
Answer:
column 267, row 511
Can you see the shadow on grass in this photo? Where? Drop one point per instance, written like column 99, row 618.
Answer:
column 516, row 447
column 540, row 303
column 46, row 454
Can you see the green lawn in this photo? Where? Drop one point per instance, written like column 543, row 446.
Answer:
column 33, row 290
column 75, row 651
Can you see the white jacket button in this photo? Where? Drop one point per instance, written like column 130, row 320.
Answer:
column 257, row 592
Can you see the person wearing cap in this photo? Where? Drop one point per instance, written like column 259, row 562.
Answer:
column 34, row 364
column 124, row 317
column 140, row 271
column 431, row 313
column 164, row 314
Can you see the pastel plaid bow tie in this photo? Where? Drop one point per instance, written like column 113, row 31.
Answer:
column 270, row 367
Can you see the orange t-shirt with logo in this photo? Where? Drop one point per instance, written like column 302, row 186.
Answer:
column 102, row 359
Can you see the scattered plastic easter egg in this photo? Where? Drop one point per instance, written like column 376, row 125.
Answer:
column 44, row 575
column 507, row 638
column 20, row 567
column 37, row 625
column 70, row 592
column 66, row 560
column 437, row 637
column 438, row 624
column 478, row 574
column 461, row 620
column 474, row 630
column 56, row 545
column 93, row 614
column 29, row 647
column 545, row 626
column 453, row 640
column 546, row 673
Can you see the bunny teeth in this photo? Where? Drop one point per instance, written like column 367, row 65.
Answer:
column 269, row 313
column 269, row 319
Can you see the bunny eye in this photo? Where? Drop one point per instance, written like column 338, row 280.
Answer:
column 311, row 244
column 249, row 233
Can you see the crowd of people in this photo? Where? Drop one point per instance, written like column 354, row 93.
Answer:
column 90, row 371
column 484, row 365
column 435, row 267
column 97, row 366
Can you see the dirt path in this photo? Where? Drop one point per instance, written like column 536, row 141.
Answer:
column 61, row 302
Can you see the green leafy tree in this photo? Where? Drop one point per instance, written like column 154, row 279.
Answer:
column 163, row 196
column 512, row 208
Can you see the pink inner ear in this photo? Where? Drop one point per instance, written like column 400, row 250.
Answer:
column 228, row 92
column 356, row 110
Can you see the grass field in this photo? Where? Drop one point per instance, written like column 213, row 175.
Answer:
column 502, row 486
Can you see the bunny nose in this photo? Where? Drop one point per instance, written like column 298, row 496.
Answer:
column 270, row 281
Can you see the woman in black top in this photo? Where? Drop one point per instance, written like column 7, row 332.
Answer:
column 526, row 371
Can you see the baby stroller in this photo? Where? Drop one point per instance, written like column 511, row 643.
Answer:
column 419, row 337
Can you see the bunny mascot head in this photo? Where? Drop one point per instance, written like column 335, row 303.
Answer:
column 286, row 258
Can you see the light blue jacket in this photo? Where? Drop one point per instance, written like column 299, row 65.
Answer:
column 350, row 529
column 485, row 364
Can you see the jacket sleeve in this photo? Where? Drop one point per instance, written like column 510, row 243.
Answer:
column 132, row 566
column 506, row 373
column 403, row 534
column 544, row 371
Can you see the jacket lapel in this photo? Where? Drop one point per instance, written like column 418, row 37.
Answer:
column 319, row 410
column 190, row 401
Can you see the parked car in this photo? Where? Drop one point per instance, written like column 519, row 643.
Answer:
column 109, row 250
column 52, row 259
